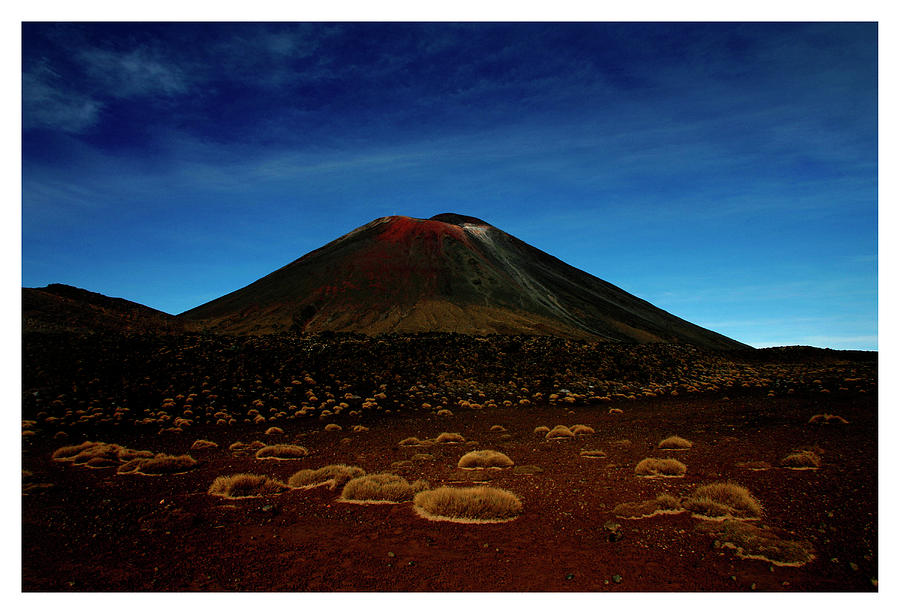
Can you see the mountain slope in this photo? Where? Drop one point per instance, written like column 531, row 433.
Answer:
column 63, row 308
column 450, row 273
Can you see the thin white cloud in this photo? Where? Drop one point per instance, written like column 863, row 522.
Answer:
column 137, row 72
column 47, row 103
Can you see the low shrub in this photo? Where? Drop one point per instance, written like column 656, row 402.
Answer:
column 723, row 500
column 160, row 464
column 484, row 459
column 381, row 488
column 450, row 438
column 560, row 431
column 445, row 412
column 540, row 430
column 412, row 441
column 274, row 430
column 281, row 452
column 498, row 428
column 203, row 444
column 663, row 504
column 333, row 475
column 760, row 543
column 333, row 427
column 675, row 443
column 476, row 504
column 243, row 485
column 581, row 429
column 592, row 454
column 660, row 468
column 801, row 459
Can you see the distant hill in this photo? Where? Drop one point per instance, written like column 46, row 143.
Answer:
column 449, row 273
column 63, row 308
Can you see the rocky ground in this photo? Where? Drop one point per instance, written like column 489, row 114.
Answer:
column 87, row 529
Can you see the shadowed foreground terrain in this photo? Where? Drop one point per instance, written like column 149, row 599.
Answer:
column 351, row 400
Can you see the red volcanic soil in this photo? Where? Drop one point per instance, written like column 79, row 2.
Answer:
column 93, row 530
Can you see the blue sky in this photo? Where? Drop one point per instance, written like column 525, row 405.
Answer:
column 725, row 172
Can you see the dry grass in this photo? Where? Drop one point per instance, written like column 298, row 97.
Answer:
column 499, row 428
column 412, row 441
column 203, row 444
column 675, row 443
column 660, row 468
column 450, row 438
column 359, row 428
column 68, row 453
column 281, row 452
column 540, row 430
column 245, row 485
column 663, row 504
column 615, row 410
column 827, row 419
column 469, row 505
column 723, row 500
column 161, row 464
column 445, row 412
column 592, row 454
column 381, row 488
column 754, row 465
column 560, row 431
column 333, row 475
column 751, row 542
column 333, row 427
column 484, row 459
column 801, row 459
column 274, row 430
column 581, row 429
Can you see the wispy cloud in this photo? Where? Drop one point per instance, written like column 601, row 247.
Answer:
column 135, row 72
column 47, row 102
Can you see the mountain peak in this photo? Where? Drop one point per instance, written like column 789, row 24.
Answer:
column 457, row 219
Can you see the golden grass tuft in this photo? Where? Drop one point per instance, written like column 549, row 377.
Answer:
column 274, row 430
column 484, row 459
column 412, row 441
column 827, row 419
column 560, row 431
column 381, row 488
column 660, row 468
column 754, row 465
column 161, row 464
column 479, row 504
column 801, row 459
column 203, row 444
column 760, row 543
column 445, row 412
column 499, row 428
column 333, row 475
column 68, row 453
column 245, row 485
column 540, row 430
column 723, row 500
column 281, row 452
column 581, row 429
column 675, row 443
column 450, row 438
column 359, row 428
column 615, row 410
column 592, row 454
column 663, row 504
column 333, row 427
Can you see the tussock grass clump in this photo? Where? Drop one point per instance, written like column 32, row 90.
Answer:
column 801, row 459
column 499, row 428
column 412, row 441
column 333, row 475
column 663, row 504
column 274, row 430
column 675, row 443
column 68, row 453
column 560, row 431
column 754, row 465
column 333, row 427
column 161, row 464
column 723, row 500
column 592, row 454
column 381, row 488
column 422, row 457
column 615, row 410
column 203, row 444
column 760, row 543
column 540, row 430
column 239, row 448
column 660, row 468
column 450, row 438
column 478, row 504
column 484, row 459
column 126, row 454
column 243, row 485
column 581, row 429
column 827, row 419
column 359, row 428
column 445, row 412
column 282, row 452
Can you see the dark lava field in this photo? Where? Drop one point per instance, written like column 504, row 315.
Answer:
column 589, row 519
